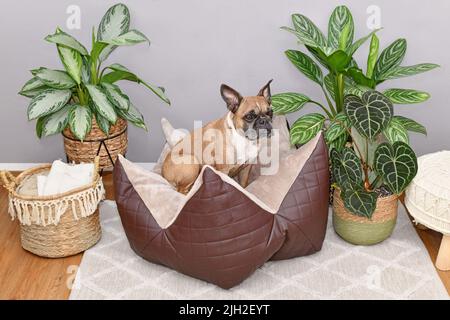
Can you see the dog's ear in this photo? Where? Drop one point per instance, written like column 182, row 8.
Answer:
column 265, row 92
column 231, row 97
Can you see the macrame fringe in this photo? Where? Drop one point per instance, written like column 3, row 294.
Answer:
column 44, row 213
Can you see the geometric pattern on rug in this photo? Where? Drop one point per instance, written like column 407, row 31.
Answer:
column 398, row 268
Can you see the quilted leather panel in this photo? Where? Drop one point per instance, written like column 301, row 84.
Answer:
column 221, row 236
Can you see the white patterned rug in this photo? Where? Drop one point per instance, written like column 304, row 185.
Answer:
column 398, row 268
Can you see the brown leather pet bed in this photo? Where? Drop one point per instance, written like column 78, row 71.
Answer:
column 220, row 232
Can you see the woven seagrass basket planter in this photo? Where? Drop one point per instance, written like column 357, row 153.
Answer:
column 360, row 230
column 97, row 143
column 54, row 226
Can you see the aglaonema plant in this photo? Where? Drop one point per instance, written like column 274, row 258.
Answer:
column 344, row 76
column 335, row 54
column 393, row 165
column 84, row 89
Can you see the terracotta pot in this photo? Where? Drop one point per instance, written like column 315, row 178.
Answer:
column 363, row 231
column 85, row 151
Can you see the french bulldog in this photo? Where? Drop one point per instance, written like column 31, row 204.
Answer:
column 228, row 144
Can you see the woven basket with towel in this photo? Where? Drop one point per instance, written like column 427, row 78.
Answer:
column 56, row 219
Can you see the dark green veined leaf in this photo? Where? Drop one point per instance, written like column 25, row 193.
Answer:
column 373, row 55
column 306, row 128
column 33, row 87
column 369, row 114
column 56, row 122
column 116, row 96
column 396, row 164
column 56, row 79
column 305, row 65
column 346, row 166
column 62, row 38
column 122, row 73
column 330, row 82
column 85, row 70
column 340, row 19
column 128, row 38
column 360, row 202
column 406, row 96
column 358, row 43
column 411, row 125
column 102, row 123
column 101, row 103
column 395, row 131
column 337, row 127
column 284, row 103
column 80, row 121
column 49, row 101
column 115, row 22
column 307, row 32
column 400, row 71
column 390, row 58
column 133, row 116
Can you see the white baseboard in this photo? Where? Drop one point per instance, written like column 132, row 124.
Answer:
column 25, row 166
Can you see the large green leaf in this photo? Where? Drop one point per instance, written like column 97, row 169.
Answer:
column 49, row 101
column 129, row 38
column 358, row 76
column 338, row 143
column 284, row 103
column 340, row 19
column 411, row 125
column 105, row 53
column 62, row 38
column 306, row 128
column 116, row 96
column 86, row 70
column 338, row 61
column 72, row 62
column 406, row 96
column 369, row 114
column 33, row 87
column 101, row 103
column 56, row 122
column 115, row 22
column 396, row 164
column 305, row 65
column 307, row 32
column 133, row 116
column 395, row 131
column 337, row 127
column 122, row 73
column 80, row 121
column 54, row 78
column 360, row 202
column 406, row 71
column 346, row 167
column 390, row 58
column 373, row 55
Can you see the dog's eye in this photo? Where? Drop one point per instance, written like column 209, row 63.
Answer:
column 250, row 116
column 270, row 113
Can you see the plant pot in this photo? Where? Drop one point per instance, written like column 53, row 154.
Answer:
column 96, row 142
column 363, row 231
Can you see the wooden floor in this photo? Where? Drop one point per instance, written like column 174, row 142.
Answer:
column 26, row 276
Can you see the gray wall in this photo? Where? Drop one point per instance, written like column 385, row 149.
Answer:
column 197, row 45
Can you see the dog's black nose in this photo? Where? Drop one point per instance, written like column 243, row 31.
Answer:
column 262, row 122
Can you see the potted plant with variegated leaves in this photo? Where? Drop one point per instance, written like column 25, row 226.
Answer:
column 334, row 55
column 369, row 174
column 83, row 101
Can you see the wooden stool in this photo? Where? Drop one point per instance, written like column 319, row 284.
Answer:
column 428, row 200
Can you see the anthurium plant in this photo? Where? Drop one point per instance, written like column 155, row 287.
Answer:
column 330, row 64
column 85, row 89
column 367, row 163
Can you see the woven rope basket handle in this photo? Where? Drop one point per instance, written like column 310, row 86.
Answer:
column 8, row 180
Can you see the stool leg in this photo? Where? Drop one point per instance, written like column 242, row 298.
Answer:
column 443, row 258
